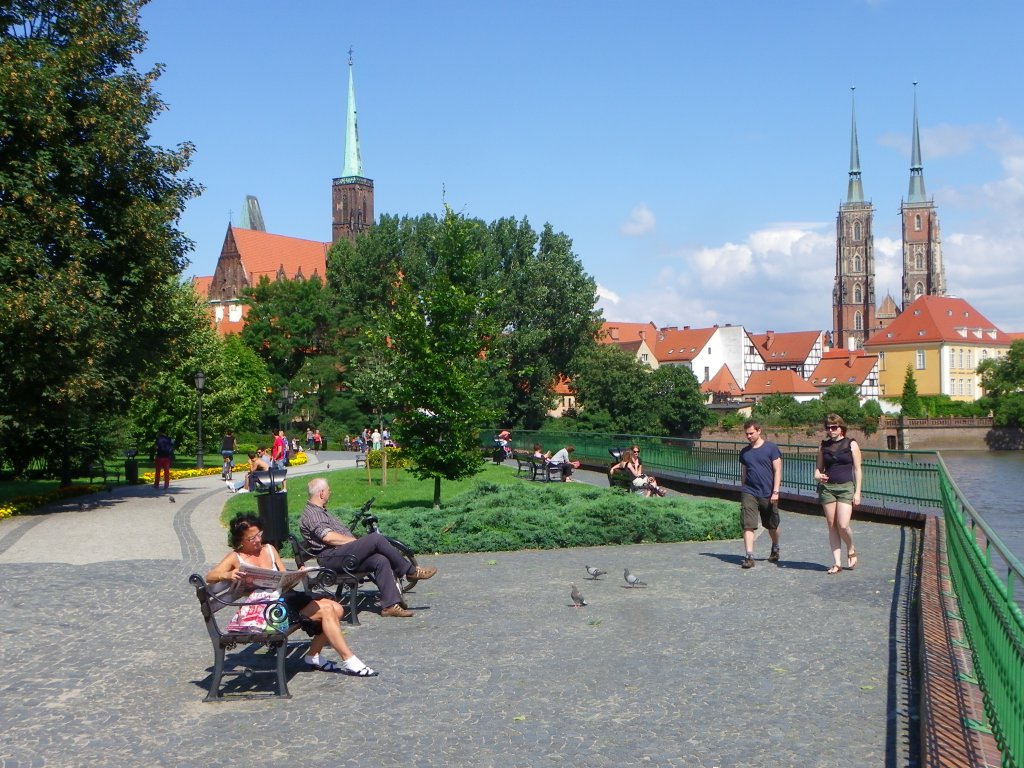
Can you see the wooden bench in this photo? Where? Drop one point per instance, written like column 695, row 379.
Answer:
column 623, row 479
column 544, row 471
column 213, row 598
column 360, row 460
column 98, row 469
column 524, row 467
column 346, row 582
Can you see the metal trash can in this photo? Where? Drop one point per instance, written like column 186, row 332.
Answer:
column 273, row 508
column 131, row 467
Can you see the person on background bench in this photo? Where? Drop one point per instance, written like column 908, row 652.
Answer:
column 563, row 458
column 256, row 464
column 321, row 619
column 641, row 481
column 227, row 452
column 163, row 450
column 331, row 543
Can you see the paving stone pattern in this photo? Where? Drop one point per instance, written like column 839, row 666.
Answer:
column 106, row 660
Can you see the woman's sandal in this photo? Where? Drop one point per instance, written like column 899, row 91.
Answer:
column 326, row 666
column 851, row 559
column 834, row 570
column 364, row 672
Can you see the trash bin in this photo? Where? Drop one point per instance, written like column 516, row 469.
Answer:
column 273, row 508
column 131, row 467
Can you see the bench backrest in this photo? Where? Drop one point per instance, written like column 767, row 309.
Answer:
column 269, row 478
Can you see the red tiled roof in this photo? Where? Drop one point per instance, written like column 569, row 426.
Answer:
column 792, row 347
column 265, row 254
column 843, row 367
column 674, row 345
column 938, row 319
column 777, row 383
column 722, row 382
column 614, row 333
column 201, row 285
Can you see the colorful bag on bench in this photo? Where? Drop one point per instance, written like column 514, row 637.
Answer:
column 264, row 611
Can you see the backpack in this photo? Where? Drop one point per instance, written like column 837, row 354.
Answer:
column 164, row 446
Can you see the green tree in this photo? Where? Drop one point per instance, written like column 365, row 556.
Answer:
column 678, row 401
column 432, row 341
column 543, row 301
column 1003, row 382
column 778, row 409
column 607, row 379
column 910, row 402
column 88, row 243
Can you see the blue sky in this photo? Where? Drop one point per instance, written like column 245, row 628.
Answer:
column 696, row 153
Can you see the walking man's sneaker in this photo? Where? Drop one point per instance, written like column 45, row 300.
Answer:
column 774, row 556
column 748, row 562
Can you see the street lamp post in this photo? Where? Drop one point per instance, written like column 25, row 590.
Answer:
column 284, row 404
column 200, row 383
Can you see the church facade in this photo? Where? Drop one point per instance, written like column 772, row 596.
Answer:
column 250, row 253
column 854, row 313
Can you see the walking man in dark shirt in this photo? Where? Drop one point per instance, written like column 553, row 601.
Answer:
column 331, row 542
column 761, row 476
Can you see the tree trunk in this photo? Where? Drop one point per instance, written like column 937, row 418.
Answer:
column 437, row 493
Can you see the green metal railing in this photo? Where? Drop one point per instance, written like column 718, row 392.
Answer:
column 986, row 577
column 892, row 479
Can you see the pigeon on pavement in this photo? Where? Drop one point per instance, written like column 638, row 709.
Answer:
column 631, row 580
column 577, row 597
column 595, row 573
column 171, row 499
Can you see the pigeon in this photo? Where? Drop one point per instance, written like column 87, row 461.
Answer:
column 595, row 573
column 171, row 499
column 631, row 580
column 328, row 466
column 577, row 597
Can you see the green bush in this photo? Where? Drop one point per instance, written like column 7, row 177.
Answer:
column 396, row 459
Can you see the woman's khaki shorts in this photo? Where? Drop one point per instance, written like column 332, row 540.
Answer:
column 829, row 492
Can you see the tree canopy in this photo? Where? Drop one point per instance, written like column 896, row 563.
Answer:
column 89, row 247
column 1003, row 382
column 428, row 347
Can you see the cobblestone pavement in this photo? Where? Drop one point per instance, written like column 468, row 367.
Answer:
column 105, row 659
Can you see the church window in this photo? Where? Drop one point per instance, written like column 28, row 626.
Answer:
column 856, row 232
column 858, row 323
column 918, row 261
column 917, row 222
column 857, row 296
column 918, row 289
column 856, row 265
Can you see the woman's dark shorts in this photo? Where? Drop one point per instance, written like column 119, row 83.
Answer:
column 296, row 601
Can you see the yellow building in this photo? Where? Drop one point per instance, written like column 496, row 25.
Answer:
column 942, row 339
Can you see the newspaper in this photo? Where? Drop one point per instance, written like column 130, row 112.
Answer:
column 265, row 578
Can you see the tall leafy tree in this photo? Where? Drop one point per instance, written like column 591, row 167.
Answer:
column 1003, row 382
column 432, row 341
column 608, row 380
column 678, row 401
column 88, row 209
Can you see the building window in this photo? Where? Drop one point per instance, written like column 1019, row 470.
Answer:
column 856, row 263
column 952, row 358
column 707, row 373
column 856, row 234
column 918, row 290
column 881, row 361
column 235, row 313
column 858, row 322
column 960, row 357
column 858, row 297
column 920, row 359
column 952, row 386
column 917, row 222
column 970, row 358
column 919, row 261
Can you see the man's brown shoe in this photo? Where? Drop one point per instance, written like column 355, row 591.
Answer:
column 420, row 574
column 396, row 611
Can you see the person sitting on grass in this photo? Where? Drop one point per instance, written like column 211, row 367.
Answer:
column 321, row 618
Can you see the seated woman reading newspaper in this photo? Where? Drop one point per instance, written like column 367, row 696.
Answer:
column 321, row 618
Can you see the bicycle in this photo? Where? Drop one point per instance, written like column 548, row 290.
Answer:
column 369, row 521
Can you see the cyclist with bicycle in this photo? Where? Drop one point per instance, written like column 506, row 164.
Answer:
column 332, row 543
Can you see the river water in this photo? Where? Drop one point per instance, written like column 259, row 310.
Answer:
column 993, row 482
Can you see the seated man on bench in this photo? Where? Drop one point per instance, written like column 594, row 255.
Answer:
column 257, row 463
column 332, row 542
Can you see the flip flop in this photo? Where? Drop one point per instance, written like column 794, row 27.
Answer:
column 851, row 559
column 327, row 666
column 834, row 570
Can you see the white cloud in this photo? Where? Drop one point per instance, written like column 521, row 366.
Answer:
column 607, row 295
column 640, row 222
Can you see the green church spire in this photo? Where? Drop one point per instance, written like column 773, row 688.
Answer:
column 855, row 193
column 916, row 193
column 353, row 163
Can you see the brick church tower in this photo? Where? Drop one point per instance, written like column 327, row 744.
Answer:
column 923, row 273
column 853, row 296
column 352, row 194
